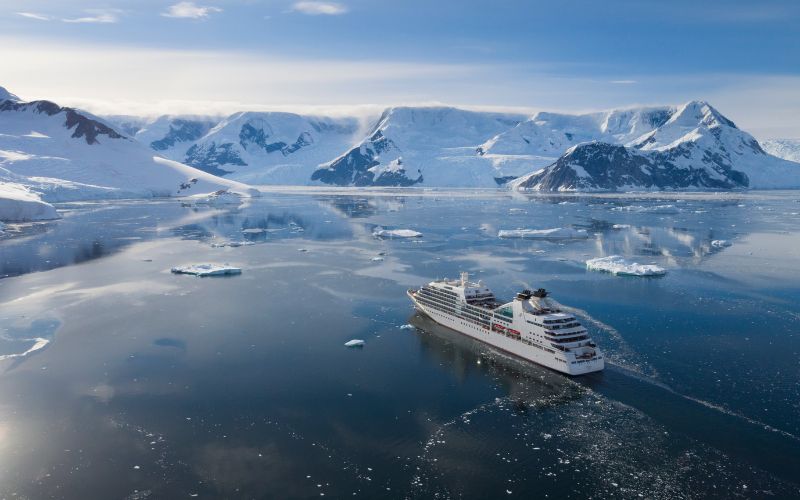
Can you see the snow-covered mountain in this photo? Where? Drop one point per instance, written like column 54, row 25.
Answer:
column 788, row 149
column 412, row 145
column 262, row 148
column 695, row 147
column 168, row 135
column 65, row 154
column 546, row 136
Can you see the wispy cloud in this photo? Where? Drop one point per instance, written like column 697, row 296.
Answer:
column 624, row 82
column 34, row 15
column 319, row 8
column 96, row 17
column 190, row 10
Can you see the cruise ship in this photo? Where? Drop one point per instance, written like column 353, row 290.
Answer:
column 531, row 326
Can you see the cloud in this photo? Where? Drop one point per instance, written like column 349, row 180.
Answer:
column 116, row 79
column 319, row 8
column 96, row 17
column 34, row 15
column 190, row 10
column 624, row 82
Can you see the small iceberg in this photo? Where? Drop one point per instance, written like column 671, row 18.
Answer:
column 217, row 198
column 617, row 265
column 395, row 233
column 354, row 343
column 558, row 233
column 233, row 244
column 662, row 209
column 407, row 327
column 721, row 243
column 621, row 226
column 207, row 270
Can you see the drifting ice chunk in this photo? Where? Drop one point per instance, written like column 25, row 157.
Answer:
column 221, row 244
column 662, row 209
column 207, row 270
column 560, row 233
column 616, row 264
column 354, row 343
column 396, row 233
column 407, row 327
column 721, row 243
column 217, row 198
column 621, row 226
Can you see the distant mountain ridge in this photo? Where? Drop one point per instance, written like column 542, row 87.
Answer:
column 692, row 146
column 695, row 148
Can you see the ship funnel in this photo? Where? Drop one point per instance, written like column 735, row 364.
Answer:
column 464, row 278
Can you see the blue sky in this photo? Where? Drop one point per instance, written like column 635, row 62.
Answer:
column 150, row 56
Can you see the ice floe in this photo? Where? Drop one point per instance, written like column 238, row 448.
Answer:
column 618, row 265
column 663, row 209
column 720, row 243
column 354, row 343
column 217, row 198
column 396, row 233
column 621, row 226
column 561, row 233
column 38, row 343
column 225, row 243
column 407, row 327
column 207, row 270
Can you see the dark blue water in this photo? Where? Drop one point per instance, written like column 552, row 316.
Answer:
column 122, row 380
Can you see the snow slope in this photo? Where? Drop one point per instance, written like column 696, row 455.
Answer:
column 788, row 149
column 67, row 154
column 433, row 146
column 696, row 148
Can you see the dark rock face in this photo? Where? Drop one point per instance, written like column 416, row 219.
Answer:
column 209, row 158
column 602, row 166
column 658, row 117
column 502, row 181
column 84, row 127
column 250, row 136
column 181, row 130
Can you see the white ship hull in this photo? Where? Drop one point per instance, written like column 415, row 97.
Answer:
column 555, row 361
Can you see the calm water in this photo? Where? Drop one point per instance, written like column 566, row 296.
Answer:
column 138, row 383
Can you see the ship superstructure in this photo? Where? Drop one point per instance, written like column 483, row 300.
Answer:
column 531, row 326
